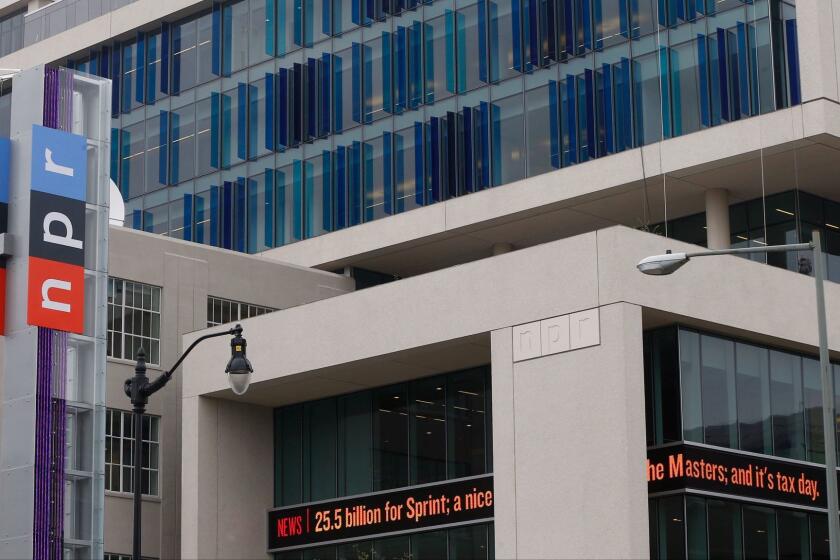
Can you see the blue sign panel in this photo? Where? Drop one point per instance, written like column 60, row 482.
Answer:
column 59, row 163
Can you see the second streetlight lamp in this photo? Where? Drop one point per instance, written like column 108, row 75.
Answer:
column 139, row 389
column 660, row 265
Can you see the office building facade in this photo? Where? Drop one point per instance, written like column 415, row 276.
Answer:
column 489, row 173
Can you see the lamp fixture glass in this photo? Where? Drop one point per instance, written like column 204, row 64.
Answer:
column 239, row 368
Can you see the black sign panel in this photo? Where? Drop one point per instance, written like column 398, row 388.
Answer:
column 424, row 507
column 57, row 228
column 686, row 466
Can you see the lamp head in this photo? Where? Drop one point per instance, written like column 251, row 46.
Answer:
column 239, row 368
column 660, row 265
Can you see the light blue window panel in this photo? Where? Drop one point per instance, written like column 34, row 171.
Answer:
column 318, row 201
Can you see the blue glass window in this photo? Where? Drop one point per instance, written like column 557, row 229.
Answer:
column 408, row 164
column 261, row 211
column 377, row 78
column 261, row 33
column 288, row 204
column 132, row 157
column 540, row 128
column 236, row 34
column 439, row 61
column 288, row 26
column 377, row 177
column 183, row 151
column 504, row 36
column 207, row 215
column 345, row 114
column 207, row 134
column 131, row 77
column 157, row 159
column 318, row 194
column 508, row 129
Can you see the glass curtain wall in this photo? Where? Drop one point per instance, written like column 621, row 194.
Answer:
column 698, row 528
column 445, row 98
column 718, row 391
column 429, row 430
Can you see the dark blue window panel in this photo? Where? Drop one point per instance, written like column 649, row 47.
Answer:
column 703, row 82
column 415, row 66
column 253, row 122
column 188, row 217
column 419, row 174
column 215, row 128
column 354, row 183
column 387, row 80
column 140, row 69
column 401, row 74
column 271, row 27
column 468, row 157
column 569, row 123
column 311, row 99
column 340, row 187
column 367, row 83
column 387, row 172
column 298, row 24
column 338, row 100
column 239, row 216
column 554, row 125
column 531, row 34
column 227, row 215
column 606, row 115
column 297, row 185
column 227, row 39
column 296, row 105
column 116, row 71
column 483, row 146
column 282, row 109
column 450, row 171
column 242, row 121
column 269, row 116
column 163, row 157
column 584, row 26
column 356, row 11
column 137, row 219
column 324, row 72
column 115, row 155
column 568, row 27
column 723, row 77
column 357, row 82
column 327, row 191
column 434, row 156
column 665, row 77
column 516, row 14
column 151, row 81
column 326, row 17
column 591, row 138
column 793, row 62
column 429, row 47
column 164, row 58
column 175, row 119
column 743, row 71
column 216, row 39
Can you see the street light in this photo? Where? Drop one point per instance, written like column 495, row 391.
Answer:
column 139, row 389
column 660, row 265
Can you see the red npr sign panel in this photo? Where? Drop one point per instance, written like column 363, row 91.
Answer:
column 57, row 230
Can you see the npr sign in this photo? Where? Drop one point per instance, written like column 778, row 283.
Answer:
column 57, row 230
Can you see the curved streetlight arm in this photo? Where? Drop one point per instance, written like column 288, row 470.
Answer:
column 767, row 249
column 164, row 377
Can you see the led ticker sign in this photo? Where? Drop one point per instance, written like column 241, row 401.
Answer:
column 699, row 468
column 57, row 230
column 414, row 509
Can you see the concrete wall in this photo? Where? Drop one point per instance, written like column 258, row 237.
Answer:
column 569, row 443
column 229, row 447
column 187, row 273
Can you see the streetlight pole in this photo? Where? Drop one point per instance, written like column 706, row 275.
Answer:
column 668, row 263
column 139, row 389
